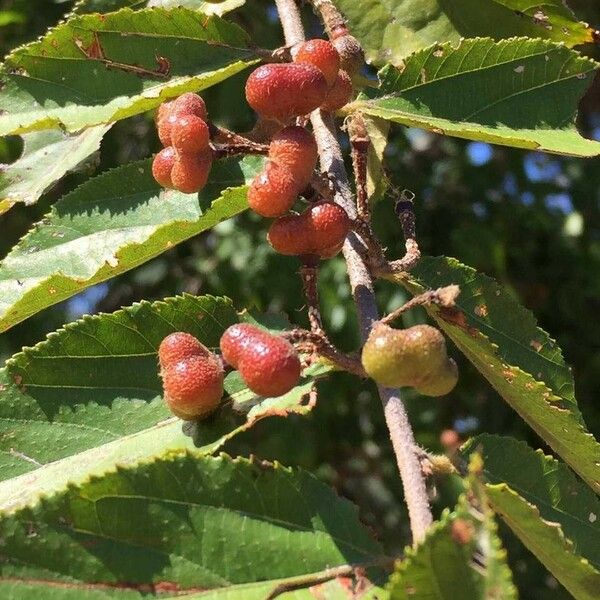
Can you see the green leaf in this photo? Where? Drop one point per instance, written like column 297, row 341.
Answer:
column 184, row 523
column 462, row 549
column 390, row 30
column 109, row 225
column 525, row 366
column 377, row 181
column 47, row 156
column 552, row 512
column 519, row 92
column 96, row 69
column 208, row 7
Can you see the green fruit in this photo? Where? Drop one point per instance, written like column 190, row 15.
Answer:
column 406, row 357
column 441, row 382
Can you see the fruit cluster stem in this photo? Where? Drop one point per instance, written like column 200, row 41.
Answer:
column 361, row 282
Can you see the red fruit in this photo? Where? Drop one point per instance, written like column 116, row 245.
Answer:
column 190, row 171
column 273, row 192
column 190, row 134
column 295, row 149
column 162, row 166
column 282, row 91
column 193, row 387
column 179, row 346
column 339, row 95
column 187, row 104
column 236, row 338
column 320, row 230
column 321, row 54
column 269, row 365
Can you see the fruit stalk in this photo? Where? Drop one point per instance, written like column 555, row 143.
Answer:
column 401, row 434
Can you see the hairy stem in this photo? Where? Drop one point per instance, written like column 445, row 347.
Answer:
column 401, row 434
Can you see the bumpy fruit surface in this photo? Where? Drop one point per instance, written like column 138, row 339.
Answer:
column 179, row 346
column 283, row 91
column 193, row 387
column 321, row 54
column 190, row 171
column 268, row 364
column 295, row 149
column 162, row 166
column 352, row 57
column 415, row 357
column 235, row 339
column 273, row 191
column 187, row 104
column 320, row 231
column 340, row 93
column 190, row 134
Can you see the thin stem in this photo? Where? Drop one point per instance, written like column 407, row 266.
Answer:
column 309, row 274
column 361, row 282
column 444, row 297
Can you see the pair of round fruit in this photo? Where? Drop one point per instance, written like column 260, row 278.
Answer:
column 185, row 161
column 414, row 357
column 285, row 90
column 193, row 376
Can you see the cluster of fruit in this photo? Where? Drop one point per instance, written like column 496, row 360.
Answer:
column 185, row 161
column 313, row 80
column 193, row 376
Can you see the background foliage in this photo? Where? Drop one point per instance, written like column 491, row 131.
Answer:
column 529, row 220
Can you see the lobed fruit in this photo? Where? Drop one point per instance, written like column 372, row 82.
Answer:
column 273, row 192
column 268, row 364
column 188, row 104
column 190, row 134
column 415, row 357
column 340, row 93
column 352, row 57
column 320, row 230
column 321, row 54
column 179, row 346
column 162, row 166
column 193, row 387
column 283, row 91
column 295, row 149
column 190, row 171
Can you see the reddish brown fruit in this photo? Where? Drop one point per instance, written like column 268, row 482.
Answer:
column 162, row 166
column 236, row 338
column 179, row 346
column 295, row 149
column 269, row 365
column 190, row 171
column 193, row 387
column 321, row 54
column 352, row 57
column 273, row 192
column 187, row 104
column 190, row 135
column 339, row 95
column 320, row 231
column 282, row 91
column 164, row 127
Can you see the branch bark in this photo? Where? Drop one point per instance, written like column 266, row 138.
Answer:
column 361, row 282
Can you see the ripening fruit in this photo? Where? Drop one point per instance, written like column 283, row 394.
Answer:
column 268, row 364
column 415, row 357
column 190, row 134
column 295, row 149
column 320, row 231
column 190, row 171
column 235, row 339
column 179, row 346
column 193, row 387
column 283, row 91
column 162, row 166
column 321, row 54
column 352, row 57
column 273, row 192
column 187, row 104
column 340, row 93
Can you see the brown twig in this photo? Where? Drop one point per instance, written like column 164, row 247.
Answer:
column 361, row 282
column 444, row 297
column 320, row 344
column 228, row 143
column 406, row 214
column 334, row 22
column 360, row 142
column 309, row 272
